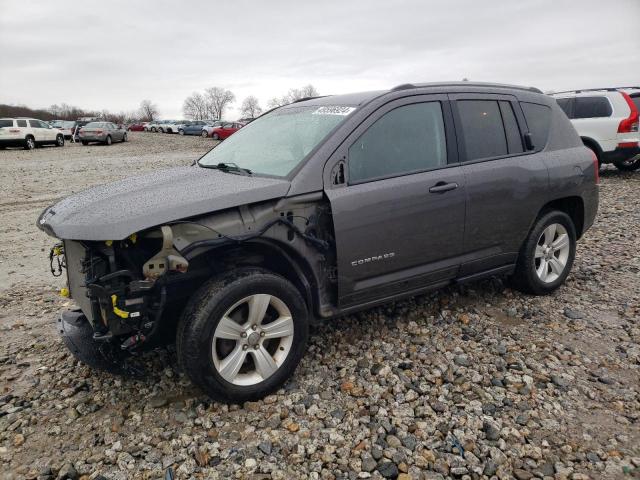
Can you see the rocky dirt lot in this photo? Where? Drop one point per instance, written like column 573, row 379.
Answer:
column 468, row 382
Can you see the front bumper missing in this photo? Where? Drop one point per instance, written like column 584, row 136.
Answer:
column 77, row 335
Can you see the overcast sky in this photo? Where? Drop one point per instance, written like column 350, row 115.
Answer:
column 112, row 54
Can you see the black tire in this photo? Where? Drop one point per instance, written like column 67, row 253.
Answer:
column 153, row 129
column 29, row 143
column 60, row 141
column 205, row 310
column 215, row 136
column 628, row 165
column 181, row 132
column 129, row 129
column 84, row 142
column 525, row 277
column 204, row 134
column 108, row 140
column 124, row 138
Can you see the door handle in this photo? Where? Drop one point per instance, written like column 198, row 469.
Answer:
column 442, row 187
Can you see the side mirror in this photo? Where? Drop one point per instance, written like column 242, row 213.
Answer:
column 528, row 141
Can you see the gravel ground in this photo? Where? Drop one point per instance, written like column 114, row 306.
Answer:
column 468, row 382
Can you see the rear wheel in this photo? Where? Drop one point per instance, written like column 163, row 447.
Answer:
column 60, row 141
column 628, row 165
column 108, row 140
column 84, row 142
column 242, row 335
column 547, row 255
column 204, row 134
column 181, row 132
column 215, row 136
column 153, row 129
column 124, row 137
column 29, row 143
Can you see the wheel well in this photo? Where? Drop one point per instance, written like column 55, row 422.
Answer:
column 593, row 145
column 572, row 206
column 271, row 257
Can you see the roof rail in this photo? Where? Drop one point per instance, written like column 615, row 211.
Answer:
column 407, row 86
column 606, row 89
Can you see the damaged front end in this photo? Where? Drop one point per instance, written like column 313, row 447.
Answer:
column 121, row 288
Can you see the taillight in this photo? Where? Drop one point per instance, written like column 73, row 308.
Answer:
column 629, row 124
column 99, row 132
column 14, row 130
column 596, row 166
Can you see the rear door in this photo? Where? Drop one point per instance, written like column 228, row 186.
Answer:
column 39, row 130
column 505, row 181
column 398, row 201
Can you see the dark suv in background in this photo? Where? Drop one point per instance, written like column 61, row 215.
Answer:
column 317, row 209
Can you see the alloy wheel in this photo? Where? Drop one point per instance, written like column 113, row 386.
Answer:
column 253, row 339
column 552, row 253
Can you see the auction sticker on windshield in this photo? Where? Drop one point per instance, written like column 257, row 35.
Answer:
column 334, row 110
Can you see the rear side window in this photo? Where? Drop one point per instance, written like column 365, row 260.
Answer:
column 538, row 118
column 636, row 101
column 482, row 127
column 566, row 104
column 407, row 139
column 6, row 123
column 591, row 107
column 22, row 123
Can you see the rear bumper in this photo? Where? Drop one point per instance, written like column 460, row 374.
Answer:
column 620, row 154
column 92, row 138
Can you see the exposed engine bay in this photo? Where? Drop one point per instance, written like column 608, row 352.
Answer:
column 132, row 291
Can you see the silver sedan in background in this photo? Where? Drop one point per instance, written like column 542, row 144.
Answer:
column 103, row 132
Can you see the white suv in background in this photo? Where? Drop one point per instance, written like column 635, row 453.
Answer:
column 607, row 121
column 28, row 133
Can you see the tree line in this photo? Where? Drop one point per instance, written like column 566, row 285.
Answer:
column 147, row 111
column 212, row 103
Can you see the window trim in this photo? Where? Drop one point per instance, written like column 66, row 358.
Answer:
column 378, row 113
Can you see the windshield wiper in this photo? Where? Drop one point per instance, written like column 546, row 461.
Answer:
column 228, row 167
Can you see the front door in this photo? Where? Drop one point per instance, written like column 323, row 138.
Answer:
column 399, row 213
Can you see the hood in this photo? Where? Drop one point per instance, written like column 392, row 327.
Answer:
column 116, row 210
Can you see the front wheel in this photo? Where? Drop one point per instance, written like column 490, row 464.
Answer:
column 60, row 141
column 181, row 132
column 29, row 143
column 628, row 165
column 85, row 142
column 547, row 255
column 215, row 136
column 242, row 335
column 204, row 134
column 108, row 141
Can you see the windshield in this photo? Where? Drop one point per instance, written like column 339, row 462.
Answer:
column 277, row 142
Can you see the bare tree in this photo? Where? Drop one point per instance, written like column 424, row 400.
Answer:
column 148, row 110
column 292, row 95
column 217, row 100
column 195, row 106
column 250, row 107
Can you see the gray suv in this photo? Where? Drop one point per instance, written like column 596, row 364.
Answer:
column 317, row 209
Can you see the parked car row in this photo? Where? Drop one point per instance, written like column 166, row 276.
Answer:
column 216, row 129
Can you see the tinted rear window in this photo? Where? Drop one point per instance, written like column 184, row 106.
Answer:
column 514, row 139
column 482, row 128
column 6, row 123
column 537, row 117
column 591, row 107
column 566, row 105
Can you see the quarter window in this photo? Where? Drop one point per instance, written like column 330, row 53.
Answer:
column 591, row 107
column 407, row 139
column 483, row 130
column 537, row 117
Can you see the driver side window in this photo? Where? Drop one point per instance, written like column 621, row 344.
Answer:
column 408, row 139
